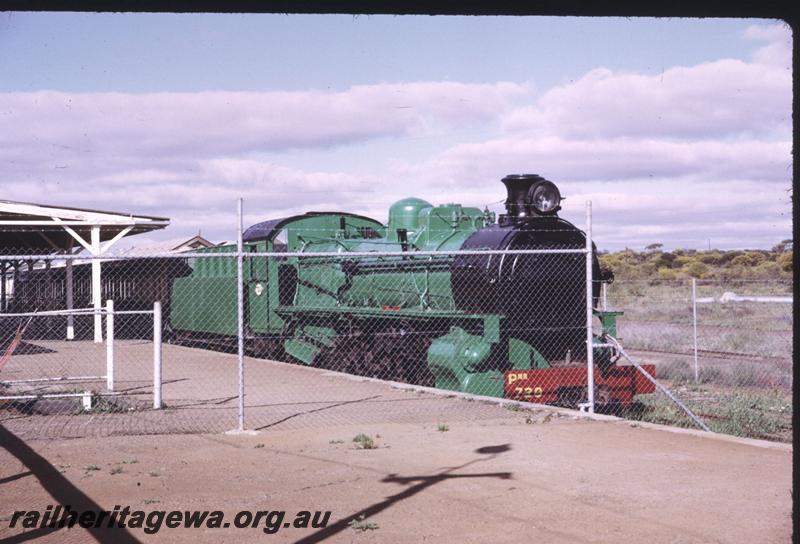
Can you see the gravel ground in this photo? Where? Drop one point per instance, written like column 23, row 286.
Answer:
column 443, row 469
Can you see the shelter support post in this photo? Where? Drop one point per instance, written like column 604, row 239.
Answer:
column 96, row 286
column 3, row 267
column 15, row 278
column 70, row 301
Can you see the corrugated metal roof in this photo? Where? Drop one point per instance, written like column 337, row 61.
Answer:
column 29, row 227
column 47, row 211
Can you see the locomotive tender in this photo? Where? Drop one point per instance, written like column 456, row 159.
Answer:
column 504, row 325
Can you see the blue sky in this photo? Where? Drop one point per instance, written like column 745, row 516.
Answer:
column 88, row 52
column 678, row 130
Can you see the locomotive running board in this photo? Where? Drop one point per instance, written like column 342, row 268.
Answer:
column 387, row 312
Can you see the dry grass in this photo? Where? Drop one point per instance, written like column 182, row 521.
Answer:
column 744, row 391
column 750, row 413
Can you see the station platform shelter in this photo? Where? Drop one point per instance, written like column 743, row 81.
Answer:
column 32, row 234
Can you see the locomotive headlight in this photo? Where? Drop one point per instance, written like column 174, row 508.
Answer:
column 545, row 197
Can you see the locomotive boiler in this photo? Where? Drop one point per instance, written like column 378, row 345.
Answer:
column 358, row 296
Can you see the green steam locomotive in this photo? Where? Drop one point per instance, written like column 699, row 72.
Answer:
column 488, row 320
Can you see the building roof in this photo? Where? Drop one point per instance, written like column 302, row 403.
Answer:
column 27, row 226
column 167, row 246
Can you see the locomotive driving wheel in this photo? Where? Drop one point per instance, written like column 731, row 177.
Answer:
column 392, row 352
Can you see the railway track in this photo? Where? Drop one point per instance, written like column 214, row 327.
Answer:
column 717, row 354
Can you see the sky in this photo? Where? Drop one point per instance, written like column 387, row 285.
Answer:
column 678, row 130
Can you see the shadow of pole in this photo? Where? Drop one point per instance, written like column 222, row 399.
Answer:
column 423, row 482
column 315, row 410
column 61, row 489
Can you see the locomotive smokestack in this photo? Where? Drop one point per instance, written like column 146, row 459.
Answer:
column 517, row 186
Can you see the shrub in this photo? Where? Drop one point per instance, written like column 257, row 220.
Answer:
column 768, row 269
column 696, row 269
column 728, row 256
column 713, row 258
column 663, row 260
column 364, row 441
column 667, row 274
column 677, row 372
column 362, row 524
column 785, row 261
column 629, row 265
column 749, row 259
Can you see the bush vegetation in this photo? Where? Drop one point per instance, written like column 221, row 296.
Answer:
column 746, row 390
column 654, row 263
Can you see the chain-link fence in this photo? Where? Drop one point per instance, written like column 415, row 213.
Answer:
column 724, row 347
column 436, row 320
column 68, row 368
column 333, row 318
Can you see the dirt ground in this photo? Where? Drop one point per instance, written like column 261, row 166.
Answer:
column 444, row 469
column 520, row 477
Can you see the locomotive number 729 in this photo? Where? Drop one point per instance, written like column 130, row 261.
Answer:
column 528, row 392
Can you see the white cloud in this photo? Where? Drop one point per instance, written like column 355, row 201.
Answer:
column 208, row 124
column 694, row 152
column 606, row 159
column 778, row 50
column 717, row 99
column 720, row 99
column 697, row 148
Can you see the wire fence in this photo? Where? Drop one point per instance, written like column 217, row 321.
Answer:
column 723, row 346
column 329, row 320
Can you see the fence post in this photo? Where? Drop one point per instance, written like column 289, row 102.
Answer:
column 110, row 345
column 240, row 311
column 694, row 322
column 605, row 296
column 157, row 355
column 589, row 344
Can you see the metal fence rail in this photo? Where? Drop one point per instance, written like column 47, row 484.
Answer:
column 57, row 376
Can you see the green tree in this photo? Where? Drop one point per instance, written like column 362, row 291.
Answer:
column 783, row 246
column 654, row 247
